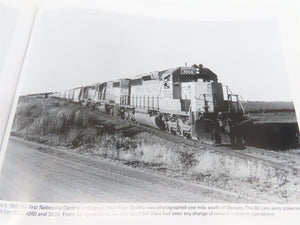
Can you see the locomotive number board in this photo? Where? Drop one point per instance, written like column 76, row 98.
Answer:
column 188, row 71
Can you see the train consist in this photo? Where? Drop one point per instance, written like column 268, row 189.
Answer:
column 188, row 101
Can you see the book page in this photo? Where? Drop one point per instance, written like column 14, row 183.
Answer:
column 16, row 23
column 159, row 111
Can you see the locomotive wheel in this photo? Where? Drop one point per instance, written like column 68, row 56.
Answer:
column 179, row 131
column 126, row 115
column 216, row 137
column 179, row 127
column 107, row 109
column 111, row 111
column 237, row 141
column 167, row 127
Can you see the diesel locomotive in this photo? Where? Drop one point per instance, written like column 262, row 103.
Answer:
column 187, row 101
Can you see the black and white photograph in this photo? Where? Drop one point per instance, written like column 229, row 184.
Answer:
column 152, row 105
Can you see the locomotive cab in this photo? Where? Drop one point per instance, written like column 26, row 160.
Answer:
column 210, row 118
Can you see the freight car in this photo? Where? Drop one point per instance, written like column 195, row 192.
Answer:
column 187, row 101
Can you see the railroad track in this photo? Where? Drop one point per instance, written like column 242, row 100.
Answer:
column 286, row 158
column 286, row 162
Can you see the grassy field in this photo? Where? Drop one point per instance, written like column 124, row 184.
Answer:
column 268, row 107
column 288, row 117
column 266, row 112
column 57, row 122
column 75, row 128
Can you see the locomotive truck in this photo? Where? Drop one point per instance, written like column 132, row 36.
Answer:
column 187, row 101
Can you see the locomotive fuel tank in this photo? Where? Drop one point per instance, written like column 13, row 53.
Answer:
column 149, row 120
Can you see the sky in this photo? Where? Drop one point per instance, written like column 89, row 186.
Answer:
column 73, row 47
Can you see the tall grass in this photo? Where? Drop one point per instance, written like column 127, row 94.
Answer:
column 57, row 122
column 211, row 168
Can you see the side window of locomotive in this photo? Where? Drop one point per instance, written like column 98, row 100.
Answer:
column 167, row 82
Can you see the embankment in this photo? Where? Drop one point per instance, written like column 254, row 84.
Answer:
column 75, row 128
